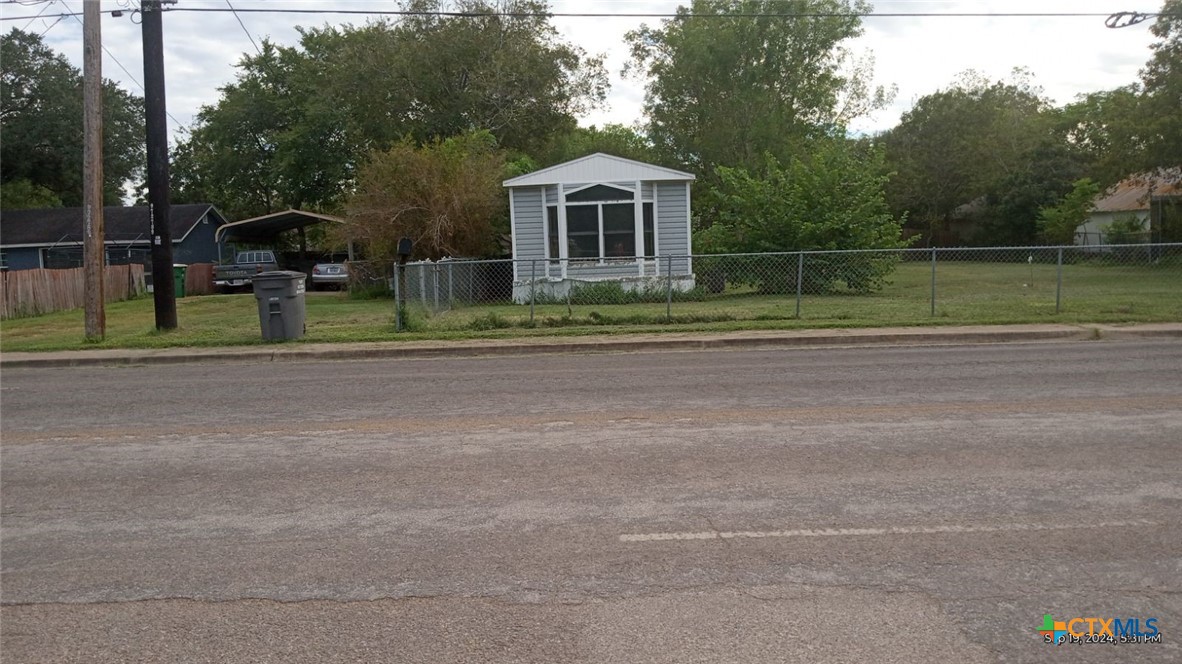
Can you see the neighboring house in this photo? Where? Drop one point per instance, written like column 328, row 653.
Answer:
column 1140, row 197
column 964, row 226
column 599, row 218
column 52, row 237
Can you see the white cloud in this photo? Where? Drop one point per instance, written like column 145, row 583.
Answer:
column 1068, row 56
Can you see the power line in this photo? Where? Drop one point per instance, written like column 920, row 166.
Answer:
column 47, row 6
column 46, row 30
column 378, row 12
column 120, row 64
column 459, row 14
column 248, row 35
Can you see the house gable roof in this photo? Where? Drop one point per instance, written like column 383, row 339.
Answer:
column 598, row 167
column 1134, row 193
column 51, row 226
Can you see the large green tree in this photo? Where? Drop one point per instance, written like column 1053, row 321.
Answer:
column 728, row 82
column 271, row 142
column 41, row 125
column 1162, row 81
column 1138, row 127
column 613, row 139
column 293, row 128
column 976, row 139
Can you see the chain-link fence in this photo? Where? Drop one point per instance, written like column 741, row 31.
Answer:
column 883, row 287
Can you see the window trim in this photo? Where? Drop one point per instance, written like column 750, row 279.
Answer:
column 638, row 199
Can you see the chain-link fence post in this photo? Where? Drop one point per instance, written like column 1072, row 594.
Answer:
column 533, row 285
column 1059, row 281
column 423, row 284
column 397, row 297
column 933, row 281
column 799, row 280
column 669, row 289
column 435, row 279
column 451, row 285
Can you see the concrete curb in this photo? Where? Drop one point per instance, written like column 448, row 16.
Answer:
column 621, row 344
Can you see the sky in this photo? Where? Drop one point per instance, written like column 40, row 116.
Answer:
column 1068, row 56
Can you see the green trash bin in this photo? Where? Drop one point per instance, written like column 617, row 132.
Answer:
column 178, row 278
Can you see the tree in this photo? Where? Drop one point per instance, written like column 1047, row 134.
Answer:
column 445, row 196
column 41, row 121
column 1014, row 201
column 1058, row 223
column 1162, row 99
column 1136, row 128
column 957, row 145
column 291, row 130
column 834, row 199
column 613, row 139
column 271, row 143
column 24, row 195
column 731, row 81
column 1103, row 129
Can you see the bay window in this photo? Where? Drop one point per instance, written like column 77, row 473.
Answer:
column 600, row 224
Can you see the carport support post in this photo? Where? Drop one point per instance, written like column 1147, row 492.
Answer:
column 1059, row 280
column 799, row 280
column 933, row 281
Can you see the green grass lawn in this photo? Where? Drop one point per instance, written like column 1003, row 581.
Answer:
column 966, row 293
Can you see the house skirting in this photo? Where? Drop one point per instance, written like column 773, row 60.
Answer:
column 556, row 289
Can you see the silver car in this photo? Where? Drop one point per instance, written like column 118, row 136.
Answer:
column 325, row 275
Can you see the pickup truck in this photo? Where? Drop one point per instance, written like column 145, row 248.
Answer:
column 246, row 265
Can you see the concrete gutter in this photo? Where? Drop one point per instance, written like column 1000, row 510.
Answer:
column 296, row 352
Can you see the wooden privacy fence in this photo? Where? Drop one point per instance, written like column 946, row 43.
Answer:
column 34, row 292
column 199, row 279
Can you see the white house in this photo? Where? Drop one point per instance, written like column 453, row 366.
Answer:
column 1139, row 198
column 599, row 218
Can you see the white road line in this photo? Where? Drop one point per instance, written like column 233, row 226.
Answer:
column 894, row 530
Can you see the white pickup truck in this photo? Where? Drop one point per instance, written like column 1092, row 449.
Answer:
column 239, row 275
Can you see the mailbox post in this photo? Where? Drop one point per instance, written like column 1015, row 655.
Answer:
column 405, row 247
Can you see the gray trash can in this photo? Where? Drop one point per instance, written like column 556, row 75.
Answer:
column 280, row 296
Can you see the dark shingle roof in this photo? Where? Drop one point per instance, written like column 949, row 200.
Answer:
column 64, row 225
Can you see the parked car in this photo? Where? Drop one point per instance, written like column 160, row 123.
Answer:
column 227, row 278
column 325, row 275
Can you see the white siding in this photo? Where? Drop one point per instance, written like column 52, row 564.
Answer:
column 528, row 220
column 672, row 224
column 1094, row 229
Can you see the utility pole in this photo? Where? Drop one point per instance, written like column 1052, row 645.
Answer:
column 93, row 233
column 156, row 120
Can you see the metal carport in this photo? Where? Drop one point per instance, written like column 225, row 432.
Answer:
column 265, row 229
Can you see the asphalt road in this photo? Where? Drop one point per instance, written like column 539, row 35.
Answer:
column 828, row 505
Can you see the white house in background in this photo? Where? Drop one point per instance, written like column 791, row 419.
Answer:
column 1138, row 197
column 599, row 218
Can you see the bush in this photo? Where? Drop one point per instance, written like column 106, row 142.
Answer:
column 832, row 199
column 1126, row 230
column 822, row 273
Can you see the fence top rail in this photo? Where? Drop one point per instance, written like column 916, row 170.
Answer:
column 1090, row 248
column 939, row 250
